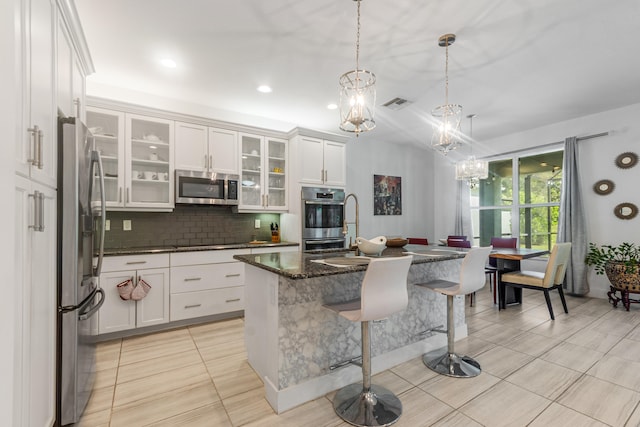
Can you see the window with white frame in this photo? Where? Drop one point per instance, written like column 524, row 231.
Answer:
column 520, row 197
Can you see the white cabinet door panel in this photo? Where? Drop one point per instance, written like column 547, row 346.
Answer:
column 191, row 147
column 204, row 303
column 154, row 308
column 202, row 277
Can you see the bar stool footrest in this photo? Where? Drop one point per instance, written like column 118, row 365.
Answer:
column 376, row 407
column 451, row 364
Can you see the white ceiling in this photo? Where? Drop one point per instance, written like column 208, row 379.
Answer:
column 517, row 64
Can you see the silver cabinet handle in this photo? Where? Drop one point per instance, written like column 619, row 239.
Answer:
column 206, row 164
column 325, row 175
column 127, row 201
column 192, row 305
column 36, row 155
column 322, row 175
column 38, row 211
column 233, row 300
column 192, row 279
column 210, row 161
column 136, row 262
column 266, row 200
column 119, row 194
column 232, row 275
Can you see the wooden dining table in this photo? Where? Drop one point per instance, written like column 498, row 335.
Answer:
column 508, row 259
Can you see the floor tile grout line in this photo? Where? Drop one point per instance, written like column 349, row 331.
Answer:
column 210, row 378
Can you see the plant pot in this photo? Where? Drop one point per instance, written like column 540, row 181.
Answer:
column 621, row 279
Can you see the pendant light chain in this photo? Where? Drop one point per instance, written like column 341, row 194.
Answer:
column 446, row 73
column 358, row 39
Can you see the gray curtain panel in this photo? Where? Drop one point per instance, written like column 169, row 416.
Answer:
column 572, row 226
column 463, row 226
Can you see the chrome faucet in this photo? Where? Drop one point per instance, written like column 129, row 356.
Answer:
column 345, row 228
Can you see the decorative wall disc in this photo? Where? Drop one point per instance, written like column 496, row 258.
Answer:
column 604, row 186
column 627, row 160
column 626, row 210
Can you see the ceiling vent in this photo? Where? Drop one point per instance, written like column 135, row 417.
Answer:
column 396, row 103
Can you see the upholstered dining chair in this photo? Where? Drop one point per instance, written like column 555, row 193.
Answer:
column 445, row 361
column 552, row 278
column 417, row 241
column 491, row 269
column 383, row 292
column 454, row 243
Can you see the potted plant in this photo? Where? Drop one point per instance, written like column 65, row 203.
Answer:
column 621, row 264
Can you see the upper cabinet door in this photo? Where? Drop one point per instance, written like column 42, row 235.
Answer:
column 223, row 151
column 311, row 160
column 192, row 147
column 335, row 164
column 107, row 127
column 36, row 153
column 276, row 174
column 149, row 162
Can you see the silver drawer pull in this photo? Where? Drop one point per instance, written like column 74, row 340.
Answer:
column 136, row 262
column 192, row 306
column 192, row 279
column 232, row 275
column 233, row 300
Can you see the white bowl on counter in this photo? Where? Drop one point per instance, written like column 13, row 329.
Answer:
column 373, row 246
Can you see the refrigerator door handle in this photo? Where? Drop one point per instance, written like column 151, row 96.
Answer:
column 96, row 159
column 84, row 315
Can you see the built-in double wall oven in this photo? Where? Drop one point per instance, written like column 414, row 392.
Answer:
column 322, row 218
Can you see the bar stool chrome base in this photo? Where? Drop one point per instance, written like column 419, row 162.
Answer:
column 451, row 364
column 376, row 407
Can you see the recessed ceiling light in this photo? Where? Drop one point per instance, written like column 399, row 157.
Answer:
column 169, row 63
column 264, row 89
column 332, row 106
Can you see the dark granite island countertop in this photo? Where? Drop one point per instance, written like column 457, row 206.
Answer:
column 292, row 340
column 301, row 265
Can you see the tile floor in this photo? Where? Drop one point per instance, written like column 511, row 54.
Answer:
column 583, row 369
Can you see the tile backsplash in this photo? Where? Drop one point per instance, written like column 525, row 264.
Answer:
column 187, row 226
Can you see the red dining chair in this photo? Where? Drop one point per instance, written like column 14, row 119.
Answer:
column 491, row 269
column 455, row 243
column 417, row 241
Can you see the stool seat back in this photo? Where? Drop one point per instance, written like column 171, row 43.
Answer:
column 384, row 288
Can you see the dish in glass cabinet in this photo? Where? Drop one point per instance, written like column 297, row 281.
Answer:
column 626, row 211
column 627, row 160
column 604, row 186
column 151, row 137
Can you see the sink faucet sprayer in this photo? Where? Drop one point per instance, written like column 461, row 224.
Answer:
column 345, row 228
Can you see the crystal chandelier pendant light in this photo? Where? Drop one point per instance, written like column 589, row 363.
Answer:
column 357, row 95
column 447, row 117
column 472, row 170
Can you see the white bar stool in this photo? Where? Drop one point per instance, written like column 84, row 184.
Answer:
column 444, row 360
column 383, row 292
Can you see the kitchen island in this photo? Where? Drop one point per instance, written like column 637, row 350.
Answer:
column 292, row 341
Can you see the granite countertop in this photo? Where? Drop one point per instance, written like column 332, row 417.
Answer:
column 301, row 265
column 169, row 249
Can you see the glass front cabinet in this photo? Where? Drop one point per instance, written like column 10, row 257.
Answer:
column 263, row 173
column 137, row 154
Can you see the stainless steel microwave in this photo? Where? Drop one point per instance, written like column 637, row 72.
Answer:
column 206, row 188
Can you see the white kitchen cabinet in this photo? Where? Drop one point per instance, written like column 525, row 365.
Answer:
column 117, row 314
column 322, row 162
column 204, row 283
column 35, row 267
column 70, row 75
column 206, row 149
column 137, row 155
column 36, row 152
column 263, row 173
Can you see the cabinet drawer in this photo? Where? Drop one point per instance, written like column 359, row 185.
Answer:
column 191, row 278
column 135, row 262
column 205, row 257
column 204, row 303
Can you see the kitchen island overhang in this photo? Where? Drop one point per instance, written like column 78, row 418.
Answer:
column 292, row 340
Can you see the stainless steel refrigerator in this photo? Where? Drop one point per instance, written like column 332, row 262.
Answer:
column 80, row 234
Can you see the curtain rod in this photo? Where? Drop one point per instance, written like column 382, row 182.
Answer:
column 582, row 138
